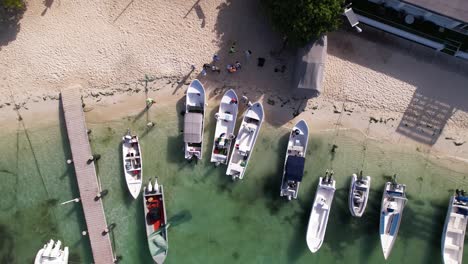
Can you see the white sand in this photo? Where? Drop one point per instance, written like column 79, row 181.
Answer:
column 109, row 46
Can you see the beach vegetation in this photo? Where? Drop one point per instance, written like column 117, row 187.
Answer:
column 301, row 21
column 13, row 4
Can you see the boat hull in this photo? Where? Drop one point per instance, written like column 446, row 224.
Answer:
column 362, row 190
column 245, row 141
column 297, row 147
column 132, row 164
column 160, row 254
column 390, row 221
column 319, row 214
column 195, row 101
column 225, row 125
column 52, row 253
column 453, row 235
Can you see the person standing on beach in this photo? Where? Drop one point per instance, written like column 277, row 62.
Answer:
column 248, row 53
column 149, row 102
column 215, row 58
column 233, row 48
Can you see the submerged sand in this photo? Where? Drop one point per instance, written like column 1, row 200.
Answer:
column 118, row 50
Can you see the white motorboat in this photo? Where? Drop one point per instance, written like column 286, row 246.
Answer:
column 225, row 124
column 294, row 161
column 132, row 163
column 156, row 221
column 391, row 212
column 245, row 141
column 320, row 212
column 453, row 236
column 358, row 194
column 52, row 253
column 194, row 120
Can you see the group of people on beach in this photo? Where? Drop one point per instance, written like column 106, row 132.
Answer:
column 231, row 68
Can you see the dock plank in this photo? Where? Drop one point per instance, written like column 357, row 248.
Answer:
column 86, row 176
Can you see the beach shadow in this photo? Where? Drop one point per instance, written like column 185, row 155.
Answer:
column 272, row 183
column 9, row 24
column 180, row 111
column 141, row 114
column 182, row 217
column 183, row 81
column 425, row 119
column 210, row 127
column 48, row 5
column 175, row 146
column 259, row 78
column 123, row 10
column 193, row 7
column 7, row 245
column 435, row 99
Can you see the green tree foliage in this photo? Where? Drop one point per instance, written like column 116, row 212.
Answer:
column 12, row 4
column 304, row 20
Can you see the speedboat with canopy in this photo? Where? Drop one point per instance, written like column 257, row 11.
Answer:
column 320, row 212
column 156, row 221
column 453, row 236
column 245, row 141
column 391, row 212
column 194, row 120
column 358, row 194
column 225, row 124
column 52, row 253
column 294, row 162
column 133, row 167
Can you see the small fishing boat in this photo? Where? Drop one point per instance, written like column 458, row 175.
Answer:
column 391, row 212
column 358, row 194
column 52, row 253
column 133, row 167
column 193, row 120
column 294, row 161
column 156, row 221
column 224, row 133
column 453, row 237
column 245, row 141
column 320, row 212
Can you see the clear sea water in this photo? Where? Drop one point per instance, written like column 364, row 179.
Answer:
column 214, row 219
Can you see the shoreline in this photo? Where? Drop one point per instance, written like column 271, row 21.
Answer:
column 322, row 115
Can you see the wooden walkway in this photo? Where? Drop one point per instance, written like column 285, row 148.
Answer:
column 86, row 176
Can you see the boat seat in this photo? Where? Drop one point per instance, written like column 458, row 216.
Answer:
column 454, row 230
column 225, row 116
column 457, row 215
column 456, row 222
column 452, row 247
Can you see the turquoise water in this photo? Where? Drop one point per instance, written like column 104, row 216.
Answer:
column 216, row 220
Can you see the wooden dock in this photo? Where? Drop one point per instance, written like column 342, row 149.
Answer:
column 86, row 176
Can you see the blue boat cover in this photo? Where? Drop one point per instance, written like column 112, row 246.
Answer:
column 394, row 224
column 394, row 193
column 462, row 198
column 295, row 168
column 382, row 223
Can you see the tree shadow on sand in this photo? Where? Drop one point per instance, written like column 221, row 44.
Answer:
column 270, row 81
column 9, row 24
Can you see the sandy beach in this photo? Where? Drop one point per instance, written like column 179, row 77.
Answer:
column 120, row 52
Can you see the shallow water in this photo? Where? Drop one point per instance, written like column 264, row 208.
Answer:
column 216, row 220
